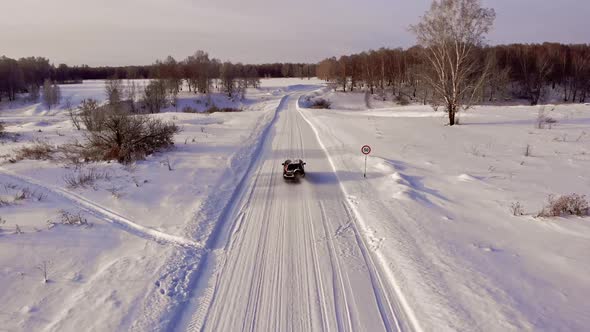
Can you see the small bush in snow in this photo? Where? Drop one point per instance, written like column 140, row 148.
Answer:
column 320, row 103
column 38, row 151
column 402, row 100
column 544, row 120
column 215, row 109
column 69, row 219
column 567, row 205
column 188, row 109
column 84, row 178
column 23, row 194
column 91, row 115
column 517, row 209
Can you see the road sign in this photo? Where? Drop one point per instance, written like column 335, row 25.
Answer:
column 366, row 150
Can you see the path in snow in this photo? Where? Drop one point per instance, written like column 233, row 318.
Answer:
column 103, row 213
column 294, row 258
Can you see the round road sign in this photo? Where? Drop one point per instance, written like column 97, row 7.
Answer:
column 366, row 149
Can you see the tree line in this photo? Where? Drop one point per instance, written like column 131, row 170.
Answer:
column 27, row 75
column 526, row 71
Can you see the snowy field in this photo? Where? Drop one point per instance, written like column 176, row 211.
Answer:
column 437, row 209
column 208, row 236
column 137, row 216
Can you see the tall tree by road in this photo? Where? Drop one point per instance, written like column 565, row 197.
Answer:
column 450, row 33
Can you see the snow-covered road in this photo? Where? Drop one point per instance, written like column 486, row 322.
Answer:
column 294, row 258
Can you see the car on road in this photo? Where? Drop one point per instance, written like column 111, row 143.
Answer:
column 293, row 169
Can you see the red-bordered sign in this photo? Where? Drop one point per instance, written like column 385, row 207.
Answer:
column 366, row 150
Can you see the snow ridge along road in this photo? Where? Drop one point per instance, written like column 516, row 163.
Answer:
column 293, row 257
column 104, row 213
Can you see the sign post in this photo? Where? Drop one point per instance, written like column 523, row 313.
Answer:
column 366, row 150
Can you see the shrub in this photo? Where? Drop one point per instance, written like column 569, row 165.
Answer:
column 91, row 115
column 124, row 137
column 214, row 109
column 567, row 205
column 69, row 219
column 543, row 119
column 188, row 109
column 85, row 178
column 320, row 103
column 38, row 151
column 402, row 100
column 154, row 96
column 517, row 209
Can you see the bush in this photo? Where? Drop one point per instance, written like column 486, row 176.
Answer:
column 38, row 151
column 85, row 178
column 91, row 115
column 188, row 109
column 154, row 96
column 215, row 109
column 517, row 209
column 402, row 100
column 543, row 119
column 567, row 205
column 320, row 103
column 118, row 135
column 69, row 219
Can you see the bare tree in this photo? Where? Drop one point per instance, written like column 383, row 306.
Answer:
column 131, row 95
column 154, row 96
column 127, row 138
column 114, row 91
column 450, row 32
column 228, row 78
column 73, row 114
column 51, row 94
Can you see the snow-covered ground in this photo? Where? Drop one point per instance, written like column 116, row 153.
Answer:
column 218, row 241
column 436, row 208
column 138, row 217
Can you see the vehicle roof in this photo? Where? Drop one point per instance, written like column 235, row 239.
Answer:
column 296, row 161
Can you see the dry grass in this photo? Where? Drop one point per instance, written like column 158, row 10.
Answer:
column 69, row 219
column 38, row 151
column 84, row 178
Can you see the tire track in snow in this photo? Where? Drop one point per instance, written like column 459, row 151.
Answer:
column 104, row 213
column 194, row 316
column 401, row 305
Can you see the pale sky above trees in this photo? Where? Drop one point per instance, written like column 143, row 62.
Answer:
column 124, row 32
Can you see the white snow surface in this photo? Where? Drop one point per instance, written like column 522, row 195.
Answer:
column 426, row 242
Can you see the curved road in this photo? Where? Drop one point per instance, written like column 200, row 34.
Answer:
column 294, row 259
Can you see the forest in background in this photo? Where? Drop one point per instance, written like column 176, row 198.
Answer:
column 28, row 75
column 516, row 71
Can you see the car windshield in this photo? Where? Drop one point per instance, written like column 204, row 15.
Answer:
column 292, row 167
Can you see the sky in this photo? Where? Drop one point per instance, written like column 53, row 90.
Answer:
column 126, row 32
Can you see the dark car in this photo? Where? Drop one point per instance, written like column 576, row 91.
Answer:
column 293, row 169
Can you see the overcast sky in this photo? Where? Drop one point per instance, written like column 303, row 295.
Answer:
column 121, row 32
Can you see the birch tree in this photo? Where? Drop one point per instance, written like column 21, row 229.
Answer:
column 450, row 33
